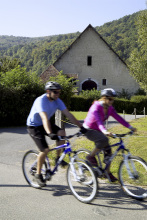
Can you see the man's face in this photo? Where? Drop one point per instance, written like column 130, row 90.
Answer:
column 53, row 94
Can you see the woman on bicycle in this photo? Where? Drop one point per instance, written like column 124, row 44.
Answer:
column 96, row 131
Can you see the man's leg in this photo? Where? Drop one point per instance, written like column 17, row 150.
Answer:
column 58, row 143
column 38, row 135
column 41, row 159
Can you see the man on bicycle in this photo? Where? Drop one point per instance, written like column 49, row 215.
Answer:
column 39, row 124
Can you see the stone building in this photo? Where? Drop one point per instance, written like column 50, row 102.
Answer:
column 95, row 64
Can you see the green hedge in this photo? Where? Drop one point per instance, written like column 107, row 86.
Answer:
column 79, row 103
column 82, row 104
column 15, row 104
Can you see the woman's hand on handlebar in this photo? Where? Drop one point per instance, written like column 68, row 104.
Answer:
column 109, row 134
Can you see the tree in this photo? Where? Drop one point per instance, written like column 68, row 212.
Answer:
column 67, row 85
column 19, row 78
column 18, row 90
column 6, row 64
column 138, row 58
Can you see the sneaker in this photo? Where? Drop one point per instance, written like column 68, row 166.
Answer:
column 112, row 178
column 63, row 163
column 40, row 180
column 92, row 160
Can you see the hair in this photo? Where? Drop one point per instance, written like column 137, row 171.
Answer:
column 103, row 98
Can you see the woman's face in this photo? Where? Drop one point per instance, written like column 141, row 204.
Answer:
column 109, row 101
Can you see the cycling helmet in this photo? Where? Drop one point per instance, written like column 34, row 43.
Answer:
column 108, row 92
column 52, row 85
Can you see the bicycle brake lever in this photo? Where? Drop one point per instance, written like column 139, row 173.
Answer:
column 114, row 136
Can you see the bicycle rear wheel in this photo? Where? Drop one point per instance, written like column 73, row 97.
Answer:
column 82, row 181
column 133, row 177
column 29, row 167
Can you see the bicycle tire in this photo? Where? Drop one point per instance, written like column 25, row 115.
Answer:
column 135, row 183
column 29, row 167
column 85, row 187
column 82, row 153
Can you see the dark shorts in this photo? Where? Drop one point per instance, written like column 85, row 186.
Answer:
column 38, row 135
column 100, row 140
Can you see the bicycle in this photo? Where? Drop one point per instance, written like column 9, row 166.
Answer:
column 80, row 176
column 132, row 170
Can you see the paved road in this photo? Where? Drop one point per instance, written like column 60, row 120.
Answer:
column 18, row 201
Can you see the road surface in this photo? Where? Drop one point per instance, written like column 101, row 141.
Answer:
column 18, row 201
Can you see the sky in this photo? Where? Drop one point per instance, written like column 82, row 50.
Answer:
column 39, row 18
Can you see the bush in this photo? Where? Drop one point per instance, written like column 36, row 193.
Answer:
column 140, row 92
column 67, row 85
column 15, row 104
column 124, row 94
column 79, row 103
column 139, row 98
column 18, row 90
column 90, row 94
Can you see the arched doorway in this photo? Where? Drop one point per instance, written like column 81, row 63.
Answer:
column 89, row 85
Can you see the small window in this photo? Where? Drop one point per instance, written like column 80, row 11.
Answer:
column 89, row 60
column 104, row 82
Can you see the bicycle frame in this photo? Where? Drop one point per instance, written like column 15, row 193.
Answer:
column 67, row 150
column 121, row 147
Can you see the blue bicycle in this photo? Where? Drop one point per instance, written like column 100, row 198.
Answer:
column 80, row 175
column 132, row 170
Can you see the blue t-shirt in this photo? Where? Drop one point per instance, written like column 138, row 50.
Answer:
column 43, row 104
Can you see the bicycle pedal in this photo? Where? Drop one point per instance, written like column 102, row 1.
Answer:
column 48, row 178
column 48, row 175
column 33, row 171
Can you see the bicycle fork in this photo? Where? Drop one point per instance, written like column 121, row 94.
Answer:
column 76, row 177
column 132, row 174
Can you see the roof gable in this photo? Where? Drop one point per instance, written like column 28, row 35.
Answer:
column 93, row 29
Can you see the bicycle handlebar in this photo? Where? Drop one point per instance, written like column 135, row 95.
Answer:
column 70, row 136
column 78, row 134
column 122, row 135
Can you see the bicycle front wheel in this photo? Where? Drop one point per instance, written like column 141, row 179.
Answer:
column 82, row 153
column 29, row 167
column 82, row 181
column 133, row 177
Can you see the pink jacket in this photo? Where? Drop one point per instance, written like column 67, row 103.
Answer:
column 96, row 117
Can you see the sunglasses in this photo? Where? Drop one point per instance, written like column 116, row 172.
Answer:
column 56, row 92
column 110, row 99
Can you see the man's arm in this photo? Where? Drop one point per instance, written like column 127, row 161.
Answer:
column 71, row 118
column 46, row 122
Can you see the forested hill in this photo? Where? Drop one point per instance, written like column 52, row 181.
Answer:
column 38, row 53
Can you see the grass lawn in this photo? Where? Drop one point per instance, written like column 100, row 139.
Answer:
column 137, row 144
column 79, row 115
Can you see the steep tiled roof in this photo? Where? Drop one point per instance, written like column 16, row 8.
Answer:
column 50, row 71
column 74, row 75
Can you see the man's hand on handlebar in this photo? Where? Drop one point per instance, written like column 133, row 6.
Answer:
column 53, row 136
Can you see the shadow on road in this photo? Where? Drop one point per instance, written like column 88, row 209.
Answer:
column 17, row 130
column 111, row 195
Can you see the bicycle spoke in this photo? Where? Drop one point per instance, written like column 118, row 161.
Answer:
column 82, row 182
column 133, row 177
column 29, row 166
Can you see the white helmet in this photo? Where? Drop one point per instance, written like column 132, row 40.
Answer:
column 52, row 85
column 108, row 92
